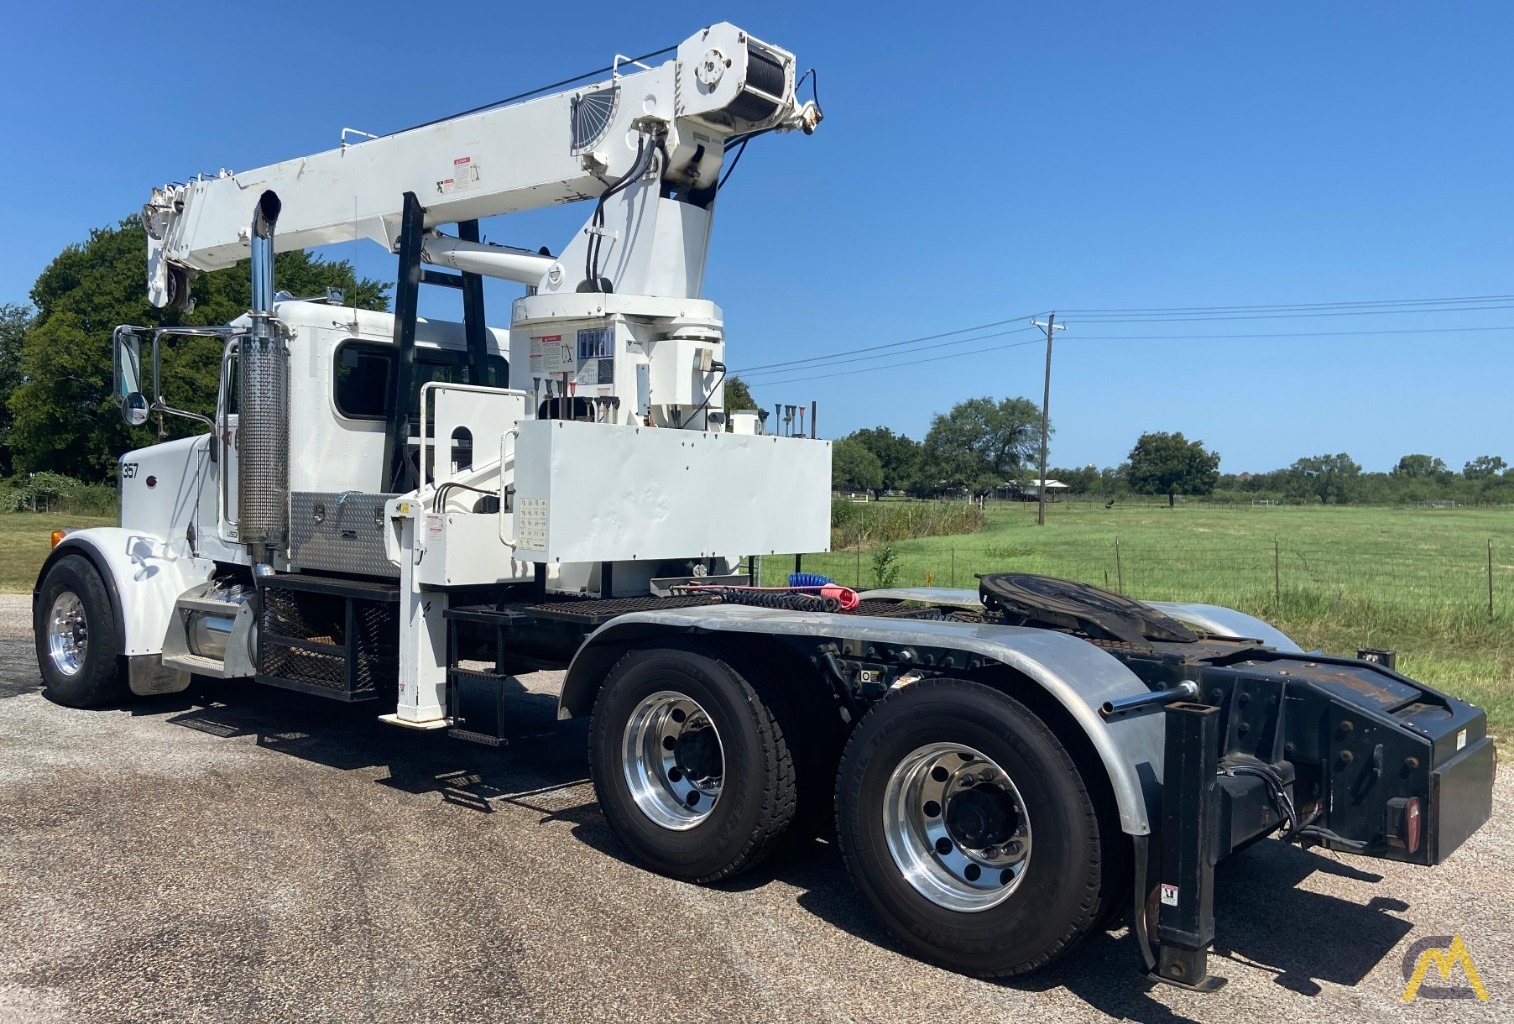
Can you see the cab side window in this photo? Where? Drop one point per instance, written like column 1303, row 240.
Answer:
column 361, row 382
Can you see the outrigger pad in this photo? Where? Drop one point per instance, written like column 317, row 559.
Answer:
column 1025, row 599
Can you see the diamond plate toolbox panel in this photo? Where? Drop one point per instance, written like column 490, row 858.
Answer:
column 339, row 532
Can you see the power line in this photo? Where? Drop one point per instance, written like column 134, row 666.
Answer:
column 1122, row 337
column 1105, row 319
column 609, row 69
column 831, row 361
column 1287, row 334
column 1189, row 314
column 891, row 366
column 1185, row 314
column 1294, row 305
column 788, row 364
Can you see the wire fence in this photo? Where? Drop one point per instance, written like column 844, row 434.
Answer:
column 1465, row 578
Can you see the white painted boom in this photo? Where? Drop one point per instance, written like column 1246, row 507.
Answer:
column 558, row 148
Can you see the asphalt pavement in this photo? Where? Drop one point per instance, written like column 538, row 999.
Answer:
column 237, row 853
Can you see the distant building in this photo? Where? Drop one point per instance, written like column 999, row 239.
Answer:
column 1030, row 490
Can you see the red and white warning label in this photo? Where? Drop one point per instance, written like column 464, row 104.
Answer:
column 464, row 176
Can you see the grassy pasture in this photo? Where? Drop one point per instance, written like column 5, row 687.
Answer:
column 25, row 543
column 1413, row 580
column 1409, row 579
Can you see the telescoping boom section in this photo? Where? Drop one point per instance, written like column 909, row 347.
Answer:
column 396, row 510
column 666, row 125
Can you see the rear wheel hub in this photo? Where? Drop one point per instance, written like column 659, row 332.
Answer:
column 981, row 817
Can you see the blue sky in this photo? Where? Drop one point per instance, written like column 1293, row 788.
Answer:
column 977, row 163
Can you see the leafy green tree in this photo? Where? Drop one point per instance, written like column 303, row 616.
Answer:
column 1087, row 480
column 854, row 468
column 1418, row 467
column 980, row 445
column 14, row 321
column 1170, row 464
column 898, row 455
column 738, row 396
column 65, row 419
column 1330, row 478
column 1480, row 468
column 1115, row 480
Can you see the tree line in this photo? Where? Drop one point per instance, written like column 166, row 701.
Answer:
column 1329, row 479
column 984, row 447
column 57, row 413
column 976, row 449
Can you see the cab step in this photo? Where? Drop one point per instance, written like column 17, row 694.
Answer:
column 477, row 699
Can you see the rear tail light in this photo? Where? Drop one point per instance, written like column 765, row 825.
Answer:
column 1404, row 823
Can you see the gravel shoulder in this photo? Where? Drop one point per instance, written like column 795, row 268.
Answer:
column 237, row 853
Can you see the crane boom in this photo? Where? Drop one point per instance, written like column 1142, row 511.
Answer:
column 559, row 148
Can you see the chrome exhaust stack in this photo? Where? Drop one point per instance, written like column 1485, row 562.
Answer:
column 263, row 410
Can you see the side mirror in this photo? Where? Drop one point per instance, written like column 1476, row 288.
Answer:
column 134, row 408
column 127, row 358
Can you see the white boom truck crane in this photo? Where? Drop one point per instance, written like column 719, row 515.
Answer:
column 391, row 508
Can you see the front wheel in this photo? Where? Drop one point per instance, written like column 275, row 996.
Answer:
column 691, row 763
column 75, row 630
column 970, row 831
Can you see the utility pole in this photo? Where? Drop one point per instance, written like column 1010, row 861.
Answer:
column 1051, row 327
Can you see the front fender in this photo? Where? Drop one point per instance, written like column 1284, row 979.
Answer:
column 144, row 575
column 1078, row 675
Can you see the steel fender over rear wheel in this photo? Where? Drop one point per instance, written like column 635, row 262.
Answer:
column 969, row 830
column 691, row 763
column 75, row 631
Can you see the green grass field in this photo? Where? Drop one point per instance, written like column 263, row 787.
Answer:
column 1412, row 580
column 25, row 542
column 1337, row 579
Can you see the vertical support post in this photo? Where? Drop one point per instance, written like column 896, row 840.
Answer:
column 1190, row 814
column 399, row 474
column 814, row 408
column 423, row 634
column 1490, row 577
column 474, row 328
column 349, row 626
column 859, row 562
column 1051, row 323
column 799, row 563
column 1119, row 570
column 1277, row 572
column 954, row 565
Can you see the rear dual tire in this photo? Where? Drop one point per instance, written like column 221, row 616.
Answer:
column 691, row 763
column 965, row 823
column 970, row 831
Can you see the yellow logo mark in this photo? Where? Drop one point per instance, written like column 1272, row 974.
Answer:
column 1445, row 961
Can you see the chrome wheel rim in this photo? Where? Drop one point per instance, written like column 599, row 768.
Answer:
column 67, row 633
column 956, row 826
column 673, row 760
